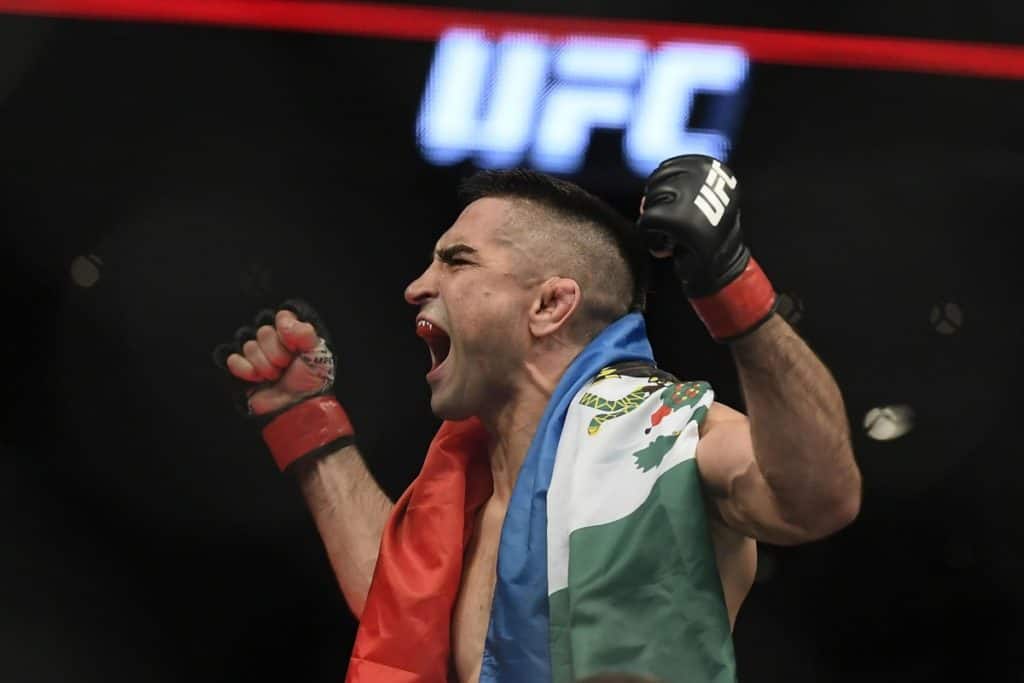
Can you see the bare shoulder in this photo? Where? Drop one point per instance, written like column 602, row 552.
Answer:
column 725, row 449
column 719, row 414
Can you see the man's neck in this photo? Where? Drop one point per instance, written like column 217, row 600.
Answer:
column 514, row 424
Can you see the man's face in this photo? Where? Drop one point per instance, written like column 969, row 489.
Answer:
column 474, row 301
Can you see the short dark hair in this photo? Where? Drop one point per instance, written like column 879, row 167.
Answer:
column 578, row 208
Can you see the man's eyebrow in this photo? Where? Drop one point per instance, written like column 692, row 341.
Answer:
column 451, row 251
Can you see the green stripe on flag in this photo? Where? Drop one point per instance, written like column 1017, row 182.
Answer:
column 644, row 593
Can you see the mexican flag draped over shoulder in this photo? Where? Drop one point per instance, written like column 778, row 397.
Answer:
column 605, row 562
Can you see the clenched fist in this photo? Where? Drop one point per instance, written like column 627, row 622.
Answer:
column 690, row 211
column 284, row 357
column 285, row 367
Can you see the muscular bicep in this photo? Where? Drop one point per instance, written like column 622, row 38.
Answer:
column 737, row 489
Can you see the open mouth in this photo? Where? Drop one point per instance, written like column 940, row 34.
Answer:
column 437, row 341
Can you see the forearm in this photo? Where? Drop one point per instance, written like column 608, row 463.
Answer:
column 350, row 511
column 799, row 428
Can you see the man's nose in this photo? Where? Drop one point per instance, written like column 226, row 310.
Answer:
column 421, row 289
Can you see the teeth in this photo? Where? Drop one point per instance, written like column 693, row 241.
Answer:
column 425, row 324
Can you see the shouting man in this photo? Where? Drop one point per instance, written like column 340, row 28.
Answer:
column 580, row 512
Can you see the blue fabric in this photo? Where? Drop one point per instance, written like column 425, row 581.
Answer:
column 517, row 639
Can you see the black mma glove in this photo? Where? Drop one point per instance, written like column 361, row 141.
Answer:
column 691, row 212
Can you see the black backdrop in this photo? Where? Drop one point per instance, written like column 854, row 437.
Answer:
column 207, row 172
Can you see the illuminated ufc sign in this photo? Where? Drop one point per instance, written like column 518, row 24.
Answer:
column 526, row 100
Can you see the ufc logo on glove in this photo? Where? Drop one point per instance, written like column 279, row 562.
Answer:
column 713, row 198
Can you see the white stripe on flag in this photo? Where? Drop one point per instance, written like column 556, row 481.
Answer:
column 596, row 479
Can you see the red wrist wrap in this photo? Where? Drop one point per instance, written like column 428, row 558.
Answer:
column 739, row 306
column 304, row 428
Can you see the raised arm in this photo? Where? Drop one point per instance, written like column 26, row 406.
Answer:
column 289, row 367
column 350, row 511
column 787, row 474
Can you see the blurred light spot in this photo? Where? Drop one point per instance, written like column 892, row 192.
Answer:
column 791, row 307
column 886, row 423
column 85, row 270
column 767, row 565
column 947, row 318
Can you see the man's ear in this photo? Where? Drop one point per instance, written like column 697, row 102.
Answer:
column 558, row 299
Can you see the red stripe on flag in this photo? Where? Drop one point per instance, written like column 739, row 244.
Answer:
column 797, row 48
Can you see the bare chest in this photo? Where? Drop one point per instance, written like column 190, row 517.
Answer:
column 472, row 614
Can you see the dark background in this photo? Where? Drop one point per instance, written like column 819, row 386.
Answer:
column 208, row 172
